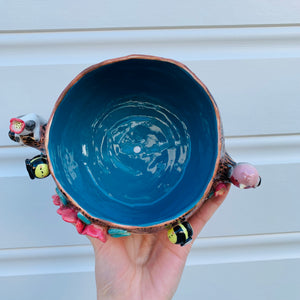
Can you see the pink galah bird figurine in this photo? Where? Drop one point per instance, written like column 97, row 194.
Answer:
column 244, row 176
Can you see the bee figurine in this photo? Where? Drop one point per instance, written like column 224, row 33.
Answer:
column 37, row 167
column 181, row 233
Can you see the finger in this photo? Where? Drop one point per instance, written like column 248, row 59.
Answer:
column 94, row 241
column 201, row 217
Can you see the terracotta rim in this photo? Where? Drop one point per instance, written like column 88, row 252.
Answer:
column 220, row 141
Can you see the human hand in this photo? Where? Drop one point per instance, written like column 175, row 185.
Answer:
column 142, row 267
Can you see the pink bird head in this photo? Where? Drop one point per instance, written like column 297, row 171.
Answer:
column 245, row 176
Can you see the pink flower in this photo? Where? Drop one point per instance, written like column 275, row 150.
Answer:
column 69, row 214
column 16, row 125
column 220, row 189
column 56, row 200
column 80, row 226
column 95, row 231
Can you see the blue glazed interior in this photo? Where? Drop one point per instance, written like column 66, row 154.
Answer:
column 135, row 142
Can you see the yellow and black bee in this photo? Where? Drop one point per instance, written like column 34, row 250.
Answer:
column 37, row 167
column 181, row 233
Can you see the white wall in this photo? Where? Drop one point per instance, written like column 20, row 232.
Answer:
column 246, row 52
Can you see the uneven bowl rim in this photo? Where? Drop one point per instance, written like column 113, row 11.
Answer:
column 219, row 128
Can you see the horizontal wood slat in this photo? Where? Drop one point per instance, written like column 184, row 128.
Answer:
column 76, row 286
column 261, row 280
column 205, row 251
column 57, row 15
column 88, row 47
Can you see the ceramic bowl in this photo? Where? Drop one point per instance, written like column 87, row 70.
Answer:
column 136, row 144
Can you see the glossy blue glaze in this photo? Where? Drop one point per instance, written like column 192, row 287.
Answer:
column 135, row 142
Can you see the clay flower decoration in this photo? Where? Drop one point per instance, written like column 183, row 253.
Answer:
column 220, row 189
column 16, row 125
column 83, row 225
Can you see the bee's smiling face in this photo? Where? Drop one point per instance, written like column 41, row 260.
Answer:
column 172, row 236
column 41, row 171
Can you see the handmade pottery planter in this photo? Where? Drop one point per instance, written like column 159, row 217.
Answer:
column 135, row 145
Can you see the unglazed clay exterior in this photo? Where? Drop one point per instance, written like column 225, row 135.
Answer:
column 135, row 145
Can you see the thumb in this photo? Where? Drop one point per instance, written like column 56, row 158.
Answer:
column 208, row 208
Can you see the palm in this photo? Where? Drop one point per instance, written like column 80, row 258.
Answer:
column 145, row 266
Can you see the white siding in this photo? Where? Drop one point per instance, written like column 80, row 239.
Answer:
column 49, row 15
column 246, row 52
